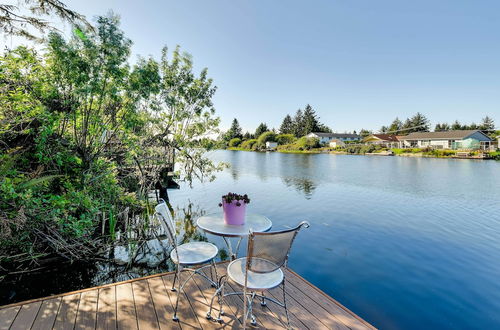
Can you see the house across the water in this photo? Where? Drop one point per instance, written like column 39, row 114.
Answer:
column 459, row 139
column 385, row 140
column 325, row 138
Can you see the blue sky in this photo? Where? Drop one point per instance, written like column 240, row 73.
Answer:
column 358, row 63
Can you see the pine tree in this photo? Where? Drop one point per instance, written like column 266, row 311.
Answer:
column 395, row 126
column 310, row 121
column 384, row 129
column 441, row 127
column 262, row 128
column 407, row 126
column 298, row 124
column 419, row 123
column 487, row 124
column 456, row 126
column 364, row 133
column 234, row 131
column 287, row 125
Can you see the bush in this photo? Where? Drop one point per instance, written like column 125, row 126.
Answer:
column 234, row 142
column 283, row 139
column 304, row 143
column 495, row 155
column 266, row 137
column 248, row 144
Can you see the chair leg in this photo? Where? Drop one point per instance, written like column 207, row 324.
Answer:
column 179, row 270
column 263, row 301
column 214, row 266
column 173, row 284
column 218, row 292
column 253, row 320
column 284, row 305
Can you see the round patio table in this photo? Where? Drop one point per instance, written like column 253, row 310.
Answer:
column 214, row 224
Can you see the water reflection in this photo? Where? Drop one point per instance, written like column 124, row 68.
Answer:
column 302, row 185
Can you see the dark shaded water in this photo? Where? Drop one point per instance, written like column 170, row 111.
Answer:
column 403, row 242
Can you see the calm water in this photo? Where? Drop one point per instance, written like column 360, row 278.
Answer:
column 403, row 242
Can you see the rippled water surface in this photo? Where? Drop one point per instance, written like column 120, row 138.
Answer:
column 403, row 242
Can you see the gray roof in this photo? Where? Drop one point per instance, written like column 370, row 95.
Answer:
column 449, row 135
column 337, row 135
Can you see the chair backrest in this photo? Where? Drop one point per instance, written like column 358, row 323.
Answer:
column 269, row 251
column 163, row 214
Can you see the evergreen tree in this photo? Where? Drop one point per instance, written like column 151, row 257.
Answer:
column 310, row 121
column 247, row 136
column 298, row 124
column 287, row 125
column 472, row 126
column 407, row 126
column 441, row 127
column 487, row 124
column 383, row 129
column 234, row 131
column 396, row 126
column 419, row 123
column 456, row 126
column 261, row 129
column 364, row 133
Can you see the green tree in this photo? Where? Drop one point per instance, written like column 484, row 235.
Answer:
column 234, row 142
column 298, row 124
column 384, row 129
column 287, row 125
column 285, row 139
column 23, row 18
column 261, row 129
column 234, row 131
column 266, row 137
column 395, row 126
column 419, row 123
column 310, row 121
column 487, row 124
column 441, row 127
column 364, row 133
column 456, row 126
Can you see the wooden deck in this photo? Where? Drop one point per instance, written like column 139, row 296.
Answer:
column 147, row 303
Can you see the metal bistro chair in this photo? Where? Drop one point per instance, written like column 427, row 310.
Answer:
column 261, row 270
column 186, row 255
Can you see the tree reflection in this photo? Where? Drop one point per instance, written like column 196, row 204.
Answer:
column 302, row 185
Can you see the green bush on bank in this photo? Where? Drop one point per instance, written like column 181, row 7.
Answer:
column 304, row 143
column 283, row 139
column 248, row 144
column 263, row 138
column 234, row 142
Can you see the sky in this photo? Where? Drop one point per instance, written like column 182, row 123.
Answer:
column 359, row 63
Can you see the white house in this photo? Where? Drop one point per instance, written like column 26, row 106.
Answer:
column 336, row 143
column 459, row 139
column 325, row 138
column 271, row 145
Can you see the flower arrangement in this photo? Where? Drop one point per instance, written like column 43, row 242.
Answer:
column 230, row 197
column 234, row 207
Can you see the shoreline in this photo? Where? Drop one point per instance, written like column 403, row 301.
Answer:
column 416, row 155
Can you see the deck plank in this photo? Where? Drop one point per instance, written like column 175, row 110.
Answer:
column 186, row 315
column 106, row 308
column 125, row 307
column 327, row 303
column 7, row 316
column 87, row 310
column 146, row 313
column 147, row 303
column 162, row 303
column 47, row 314
column 66, row 317
column 26, row 316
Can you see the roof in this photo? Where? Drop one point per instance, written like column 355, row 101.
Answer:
column 336, row 135
column 384, row 137
column 451, row 135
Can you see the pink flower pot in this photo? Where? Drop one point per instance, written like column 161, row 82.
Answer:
column 233, row 214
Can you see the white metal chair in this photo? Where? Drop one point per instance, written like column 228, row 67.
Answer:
column 261, row 270
column 186, row 255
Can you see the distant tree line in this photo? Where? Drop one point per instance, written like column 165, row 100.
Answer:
column 420, row 123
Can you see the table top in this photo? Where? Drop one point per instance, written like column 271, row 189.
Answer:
column 214, row 224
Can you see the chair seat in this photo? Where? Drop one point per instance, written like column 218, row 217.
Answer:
column 194, row 253
column 255, row 281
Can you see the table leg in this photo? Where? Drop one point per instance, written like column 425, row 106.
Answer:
column 233, row 254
